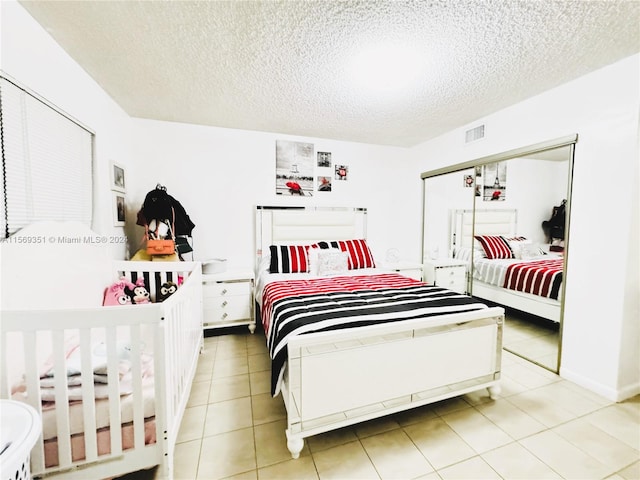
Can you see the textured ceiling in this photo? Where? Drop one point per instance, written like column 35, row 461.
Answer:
column 287, row 66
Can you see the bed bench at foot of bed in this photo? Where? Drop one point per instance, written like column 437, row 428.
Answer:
column 335, row 379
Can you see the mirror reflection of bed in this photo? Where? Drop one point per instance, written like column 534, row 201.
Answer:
column 527, row 281
column 456, row 218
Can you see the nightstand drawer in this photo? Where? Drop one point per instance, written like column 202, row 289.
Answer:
column 448, row 274
column 227, row 299
column 225, row 289
column 227, row 308
column 453, row 283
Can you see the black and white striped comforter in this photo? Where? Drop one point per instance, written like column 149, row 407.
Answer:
column 298, row 307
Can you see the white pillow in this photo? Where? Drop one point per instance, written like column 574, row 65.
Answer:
column 463, row 253
column 265, row 261
column 331, row 262
column 517, row 245
column 528, row 251
column 314, row 254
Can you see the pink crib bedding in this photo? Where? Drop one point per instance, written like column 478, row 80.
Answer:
column 103, row 436
column 50, row 409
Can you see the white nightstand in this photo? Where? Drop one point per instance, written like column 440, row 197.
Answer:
column 448, row 273
column 228, row 299
column 408, row 269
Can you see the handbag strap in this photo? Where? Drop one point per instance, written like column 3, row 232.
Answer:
column 173, row 223
column 173, row 228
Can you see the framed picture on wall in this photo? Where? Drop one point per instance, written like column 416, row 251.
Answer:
column 118, row 209
column 324, row 184
column 118, row 182
column 294, row 168
column 495, row 182
column 342, row 172
column 324, row 159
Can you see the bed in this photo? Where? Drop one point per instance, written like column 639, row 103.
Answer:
column 507, row 268
column 110, row 383
column 356, row 344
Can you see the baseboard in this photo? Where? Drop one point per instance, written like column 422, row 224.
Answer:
column 615, row 395
column 628, row 392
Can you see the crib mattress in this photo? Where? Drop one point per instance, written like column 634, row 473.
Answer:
column 76, row 418
column 103, row 437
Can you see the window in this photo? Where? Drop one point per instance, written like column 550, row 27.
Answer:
column 46, row 161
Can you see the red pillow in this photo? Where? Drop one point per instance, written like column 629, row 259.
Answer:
column 288, row 259
column 359, row 253
column 495, row 246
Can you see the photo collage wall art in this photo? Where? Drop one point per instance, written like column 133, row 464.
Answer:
column 301, row 171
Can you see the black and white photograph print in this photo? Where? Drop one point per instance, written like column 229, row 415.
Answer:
column 324, row 184
column 118, row 210
column 478, row 192
column 342, row 172
column 117, row 178
column 494, row 176
column 324, row 159
column 294, row 168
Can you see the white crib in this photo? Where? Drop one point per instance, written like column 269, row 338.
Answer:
column 51, row 312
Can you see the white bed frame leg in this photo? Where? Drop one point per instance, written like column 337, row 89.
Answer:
column 252, row 327
column 294, row 444
column 494, row 391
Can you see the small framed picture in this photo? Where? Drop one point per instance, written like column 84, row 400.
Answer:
column 324, row 159
column 118, row 209
column 118, row 183
column 468, row 181
column 342, row 171
column 324, row 184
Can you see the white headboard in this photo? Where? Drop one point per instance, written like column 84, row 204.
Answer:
column 465, row 224
column 303, row 225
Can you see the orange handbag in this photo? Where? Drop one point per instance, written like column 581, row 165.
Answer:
column 158, row 246
column 161, row 247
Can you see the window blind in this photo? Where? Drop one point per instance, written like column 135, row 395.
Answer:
column 46, row 162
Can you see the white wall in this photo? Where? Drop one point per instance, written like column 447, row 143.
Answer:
column 29, row 55
column 220, row 175
column 601, row 330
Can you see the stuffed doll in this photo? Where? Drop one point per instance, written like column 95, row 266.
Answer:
column 166, row 290
column 116, row 294
column 139, row 293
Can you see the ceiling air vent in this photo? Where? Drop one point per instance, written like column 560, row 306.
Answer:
column 474, row 134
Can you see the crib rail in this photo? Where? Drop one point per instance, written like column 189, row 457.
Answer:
column 183, row 338
column 166, row 336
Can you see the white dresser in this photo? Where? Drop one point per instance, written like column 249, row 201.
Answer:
column 228, row 299
column 446, row 272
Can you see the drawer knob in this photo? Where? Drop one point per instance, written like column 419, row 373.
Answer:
column 224, row 304
column 224, row 291
column 224, row 315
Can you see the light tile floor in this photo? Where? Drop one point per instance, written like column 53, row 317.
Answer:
column 541, row 427
column 534, row 339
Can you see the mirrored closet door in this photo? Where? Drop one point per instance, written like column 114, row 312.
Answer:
column 504, row 221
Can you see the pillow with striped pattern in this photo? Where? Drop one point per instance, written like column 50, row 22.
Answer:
column 288, row 259
column 495, row 246
column 360, row 255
